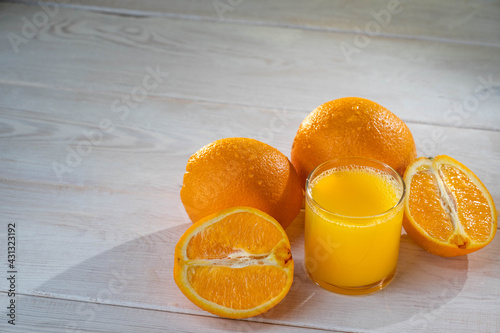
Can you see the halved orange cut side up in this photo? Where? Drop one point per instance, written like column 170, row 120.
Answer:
column 448, row 210
column 236, row 263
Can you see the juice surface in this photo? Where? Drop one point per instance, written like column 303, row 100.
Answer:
column 354, row 248
column 356, row 192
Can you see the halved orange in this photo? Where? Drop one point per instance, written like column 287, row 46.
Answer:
column 235, row 263
column 448, row 210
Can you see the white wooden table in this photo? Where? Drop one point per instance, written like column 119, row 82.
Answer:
column 103, row 102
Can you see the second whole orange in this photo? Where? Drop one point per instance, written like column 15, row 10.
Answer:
column 241, row 172
column 352, row 126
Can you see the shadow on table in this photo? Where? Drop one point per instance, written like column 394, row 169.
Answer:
column 135, row 274
column 423, row 284
column 139, row 273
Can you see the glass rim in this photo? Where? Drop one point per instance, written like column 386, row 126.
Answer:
column 317, row 205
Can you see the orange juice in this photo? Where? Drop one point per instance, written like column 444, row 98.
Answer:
column 354, row 213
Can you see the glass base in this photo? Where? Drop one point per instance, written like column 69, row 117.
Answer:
column 361, row 290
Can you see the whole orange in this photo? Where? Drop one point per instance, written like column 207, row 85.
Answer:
column 241, row 172
column 352, row 126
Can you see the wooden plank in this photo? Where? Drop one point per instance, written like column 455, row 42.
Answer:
column 147, row 150
column 115, row 235
column 471, row 22
column 102, row 236
column 109, row 261
column 258, row 66
column 41, row 314
column 119, row 216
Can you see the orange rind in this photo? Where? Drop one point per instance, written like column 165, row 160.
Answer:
column 236, row 263
column 448, row 210
column 234, row 172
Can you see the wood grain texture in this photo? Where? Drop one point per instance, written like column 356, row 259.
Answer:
column 119, row 215
column 164, row 132
column 52, row 315
column 468, row 22
column 96, row 241
column 108, row 262
column 255, row 66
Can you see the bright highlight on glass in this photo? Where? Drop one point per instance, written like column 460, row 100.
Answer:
column 354, row 213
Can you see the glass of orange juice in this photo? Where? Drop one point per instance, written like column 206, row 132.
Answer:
column 353, row 218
